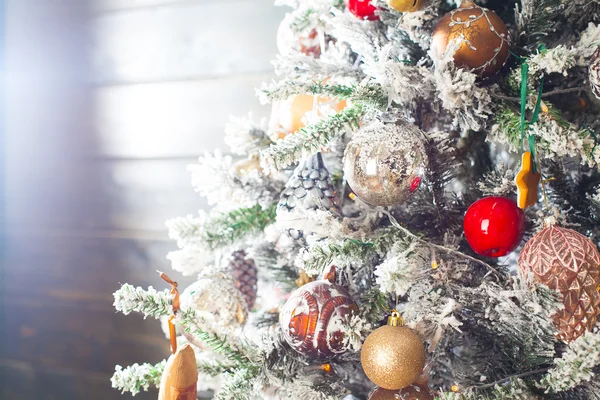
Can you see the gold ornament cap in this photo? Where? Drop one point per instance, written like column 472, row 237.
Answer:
column 395, row 319
column 407, row 5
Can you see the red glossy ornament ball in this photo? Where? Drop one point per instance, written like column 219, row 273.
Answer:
column 310, row 320
column 363, row 9
column 494, row 226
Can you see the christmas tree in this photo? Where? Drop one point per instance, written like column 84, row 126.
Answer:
column 419, row 218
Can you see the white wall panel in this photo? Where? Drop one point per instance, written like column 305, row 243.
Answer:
column 171, row 119
column 190, row 40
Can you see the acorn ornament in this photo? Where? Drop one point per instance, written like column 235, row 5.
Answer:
column 479, row 36
column 384, row 163
column 569, row 262
column 310, row 320
column 393, row 356
column 309, row 188
column 406, row 5
column 245, row 275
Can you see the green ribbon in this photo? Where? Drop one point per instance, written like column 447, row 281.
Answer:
column 536, row 111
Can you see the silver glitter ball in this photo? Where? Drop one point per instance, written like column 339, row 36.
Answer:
column 384, row 162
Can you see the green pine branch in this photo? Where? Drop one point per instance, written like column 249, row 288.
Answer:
column 213, row 367
column 535, row 19
column 221, row 229
column 149, row 302
column 238, row 385
column 312, row 138
column 371, row 94
column 137, row 378
column 228, row 228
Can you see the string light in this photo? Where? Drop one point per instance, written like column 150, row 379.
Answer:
column 434, row 263
column 326, row 367
column 455, row 388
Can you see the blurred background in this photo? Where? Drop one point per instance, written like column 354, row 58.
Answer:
column 105, row 104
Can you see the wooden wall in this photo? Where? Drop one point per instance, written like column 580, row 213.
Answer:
column 107, row 102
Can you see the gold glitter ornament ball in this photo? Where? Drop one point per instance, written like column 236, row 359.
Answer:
column 384, row 162
column 480, row 35
column 393, row 357
column 406, row 5
column 569, row 262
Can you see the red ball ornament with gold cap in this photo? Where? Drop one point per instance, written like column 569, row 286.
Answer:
column 494, row 226
column 363, row 9
column 311, row 319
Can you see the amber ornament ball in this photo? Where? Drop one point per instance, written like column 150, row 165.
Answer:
column 480, row 35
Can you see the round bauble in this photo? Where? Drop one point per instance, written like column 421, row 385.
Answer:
column 362, row 9
column 412, row 392
column 216, row 300
column 569, row 262
column 594, row 73
column 245, row 276
column 291, row 115
column 310, row 320
column 288, row 41
column 406, row 5
column 393, row 356
column 384, row 162
column 479, row 35
column 494, row 226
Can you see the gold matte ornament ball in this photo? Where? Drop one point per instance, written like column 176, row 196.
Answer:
column 406, row 5
column 480, row 35
column 393, row 357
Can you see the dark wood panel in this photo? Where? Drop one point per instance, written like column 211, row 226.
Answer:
column 27, row 381
column 88, row 340
column 83, row 269
column 135, row 195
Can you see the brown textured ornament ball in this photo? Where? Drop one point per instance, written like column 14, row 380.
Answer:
column 569, row 262
column 384, row 162
column 412, row 392
column 480, row 35
column 406, row 5
column 393, row 357
column 311, row 318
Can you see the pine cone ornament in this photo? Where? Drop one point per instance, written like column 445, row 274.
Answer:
column 595, row 73
column 309, row 188
column 569, row 262
column 246, row 276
